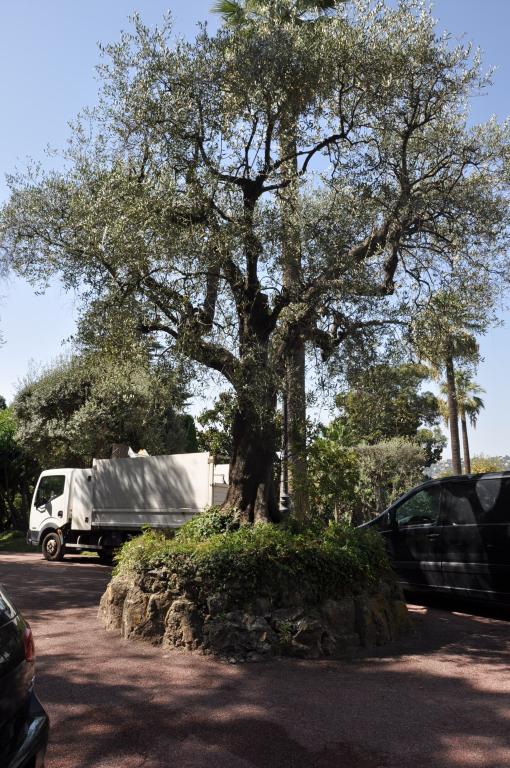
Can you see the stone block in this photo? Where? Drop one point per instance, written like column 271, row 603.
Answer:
column 340, row 614
column 183, row 624
column 134, row 614
column 112, row 604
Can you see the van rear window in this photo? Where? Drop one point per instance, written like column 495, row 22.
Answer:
column 484, row 502
column 494, row 497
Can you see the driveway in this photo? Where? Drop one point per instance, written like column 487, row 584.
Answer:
column 439, row 698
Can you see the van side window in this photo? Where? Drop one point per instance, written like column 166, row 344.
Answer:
column 460, row 505
column 50, row 488
column 420, row 509
column 493, row 495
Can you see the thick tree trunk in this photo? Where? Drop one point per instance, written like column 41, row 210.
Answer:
column 295, row 372
column 465, row 444
column 251, row 482
column 453, row 416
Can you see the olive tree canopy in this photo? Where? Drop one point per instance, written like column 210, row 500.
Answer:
column 170, row 197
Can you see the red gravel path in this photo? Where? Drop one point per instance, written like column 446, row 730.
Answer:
column 440, row 699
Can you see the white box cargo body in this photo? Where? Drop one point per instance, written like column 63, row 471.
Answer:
column 160, row 491
column 98, row 508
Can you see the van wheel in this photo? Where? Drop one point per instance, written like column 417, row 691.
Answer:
column 52, row 548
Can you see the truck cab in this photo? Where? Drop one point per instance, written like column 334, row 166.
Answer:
column 61, row 511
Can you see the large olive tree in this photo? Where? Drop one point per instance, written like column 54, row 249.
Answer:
column 172, row 197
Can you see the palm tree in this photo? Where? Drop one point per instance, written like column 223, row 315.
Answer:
column 243, row 14
column 238, row 13
column 470, row 404
column 443, row 334
column 443, row 360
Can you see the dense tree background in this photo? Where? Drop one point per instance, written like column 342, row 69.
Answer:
column 18, row 472
column 387, row 401
column 380, row 444
column 74, row 411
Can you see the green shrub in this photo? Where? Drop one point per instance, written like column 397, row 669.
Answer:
column 264, row 560
column 14, row 541
column 209, row 523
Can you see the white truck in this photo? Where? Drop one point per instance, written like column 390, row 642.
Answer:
column 97, row 509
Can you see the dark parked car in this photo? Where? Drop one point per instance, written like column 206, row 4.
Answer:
column 452, row 535
column 23, row 722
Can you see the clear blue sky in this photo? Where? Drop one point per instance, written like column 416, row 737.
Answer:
column 47, row 56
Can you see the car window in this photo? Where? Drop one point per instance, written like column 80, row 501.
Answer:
column 50, row 487
column 493, row 494
column 460, row 504
column 420, row 509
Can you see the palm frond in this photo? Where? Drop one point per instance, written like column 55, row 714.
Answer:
column 473, row 406
column 237, row 13
column 233, row 13
column 307, row 6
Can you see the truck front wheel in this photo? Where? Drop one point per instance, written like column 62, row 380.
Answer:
column 106, row 556
column 52, row 548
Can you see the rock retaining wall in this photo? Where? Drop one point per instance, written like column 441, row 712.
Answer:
column 148, row 607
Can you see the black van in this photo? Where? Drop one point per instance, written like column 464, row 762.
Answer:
column 452, row 535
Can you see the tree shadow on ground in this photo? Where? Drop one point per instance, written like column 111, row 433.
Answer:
column 436, row 699
column 194, row 712
column 38, row 586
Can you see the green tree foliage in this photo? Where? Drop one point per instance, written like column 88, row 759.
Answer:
column 468, row 397
column 386, row 471
column 379, row 445
column 355, row 482
column 433, row 442
column 171, row 197
column 486, row 464
column 18, row 471
column 333, row 473
column 76, row 409
column 386, row 401
column 215, row 434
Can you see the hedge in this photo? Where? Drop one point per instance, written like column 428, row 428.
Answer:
column 213, row 554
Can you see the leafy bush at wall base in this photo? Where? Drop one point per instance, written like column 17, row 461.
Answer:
column 261, row 560
column 253, row 592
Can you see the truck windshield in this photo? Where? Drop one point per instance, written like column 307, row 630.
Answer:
column 50, row 487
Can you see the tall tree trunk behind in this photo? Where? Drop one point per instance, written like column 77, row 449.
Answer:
column 453, row 415
column 284, row 463
column 295, row 384
column 465, row 443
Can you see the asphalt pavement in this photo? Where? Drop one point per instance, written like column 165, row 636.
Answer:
column 436, row 699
